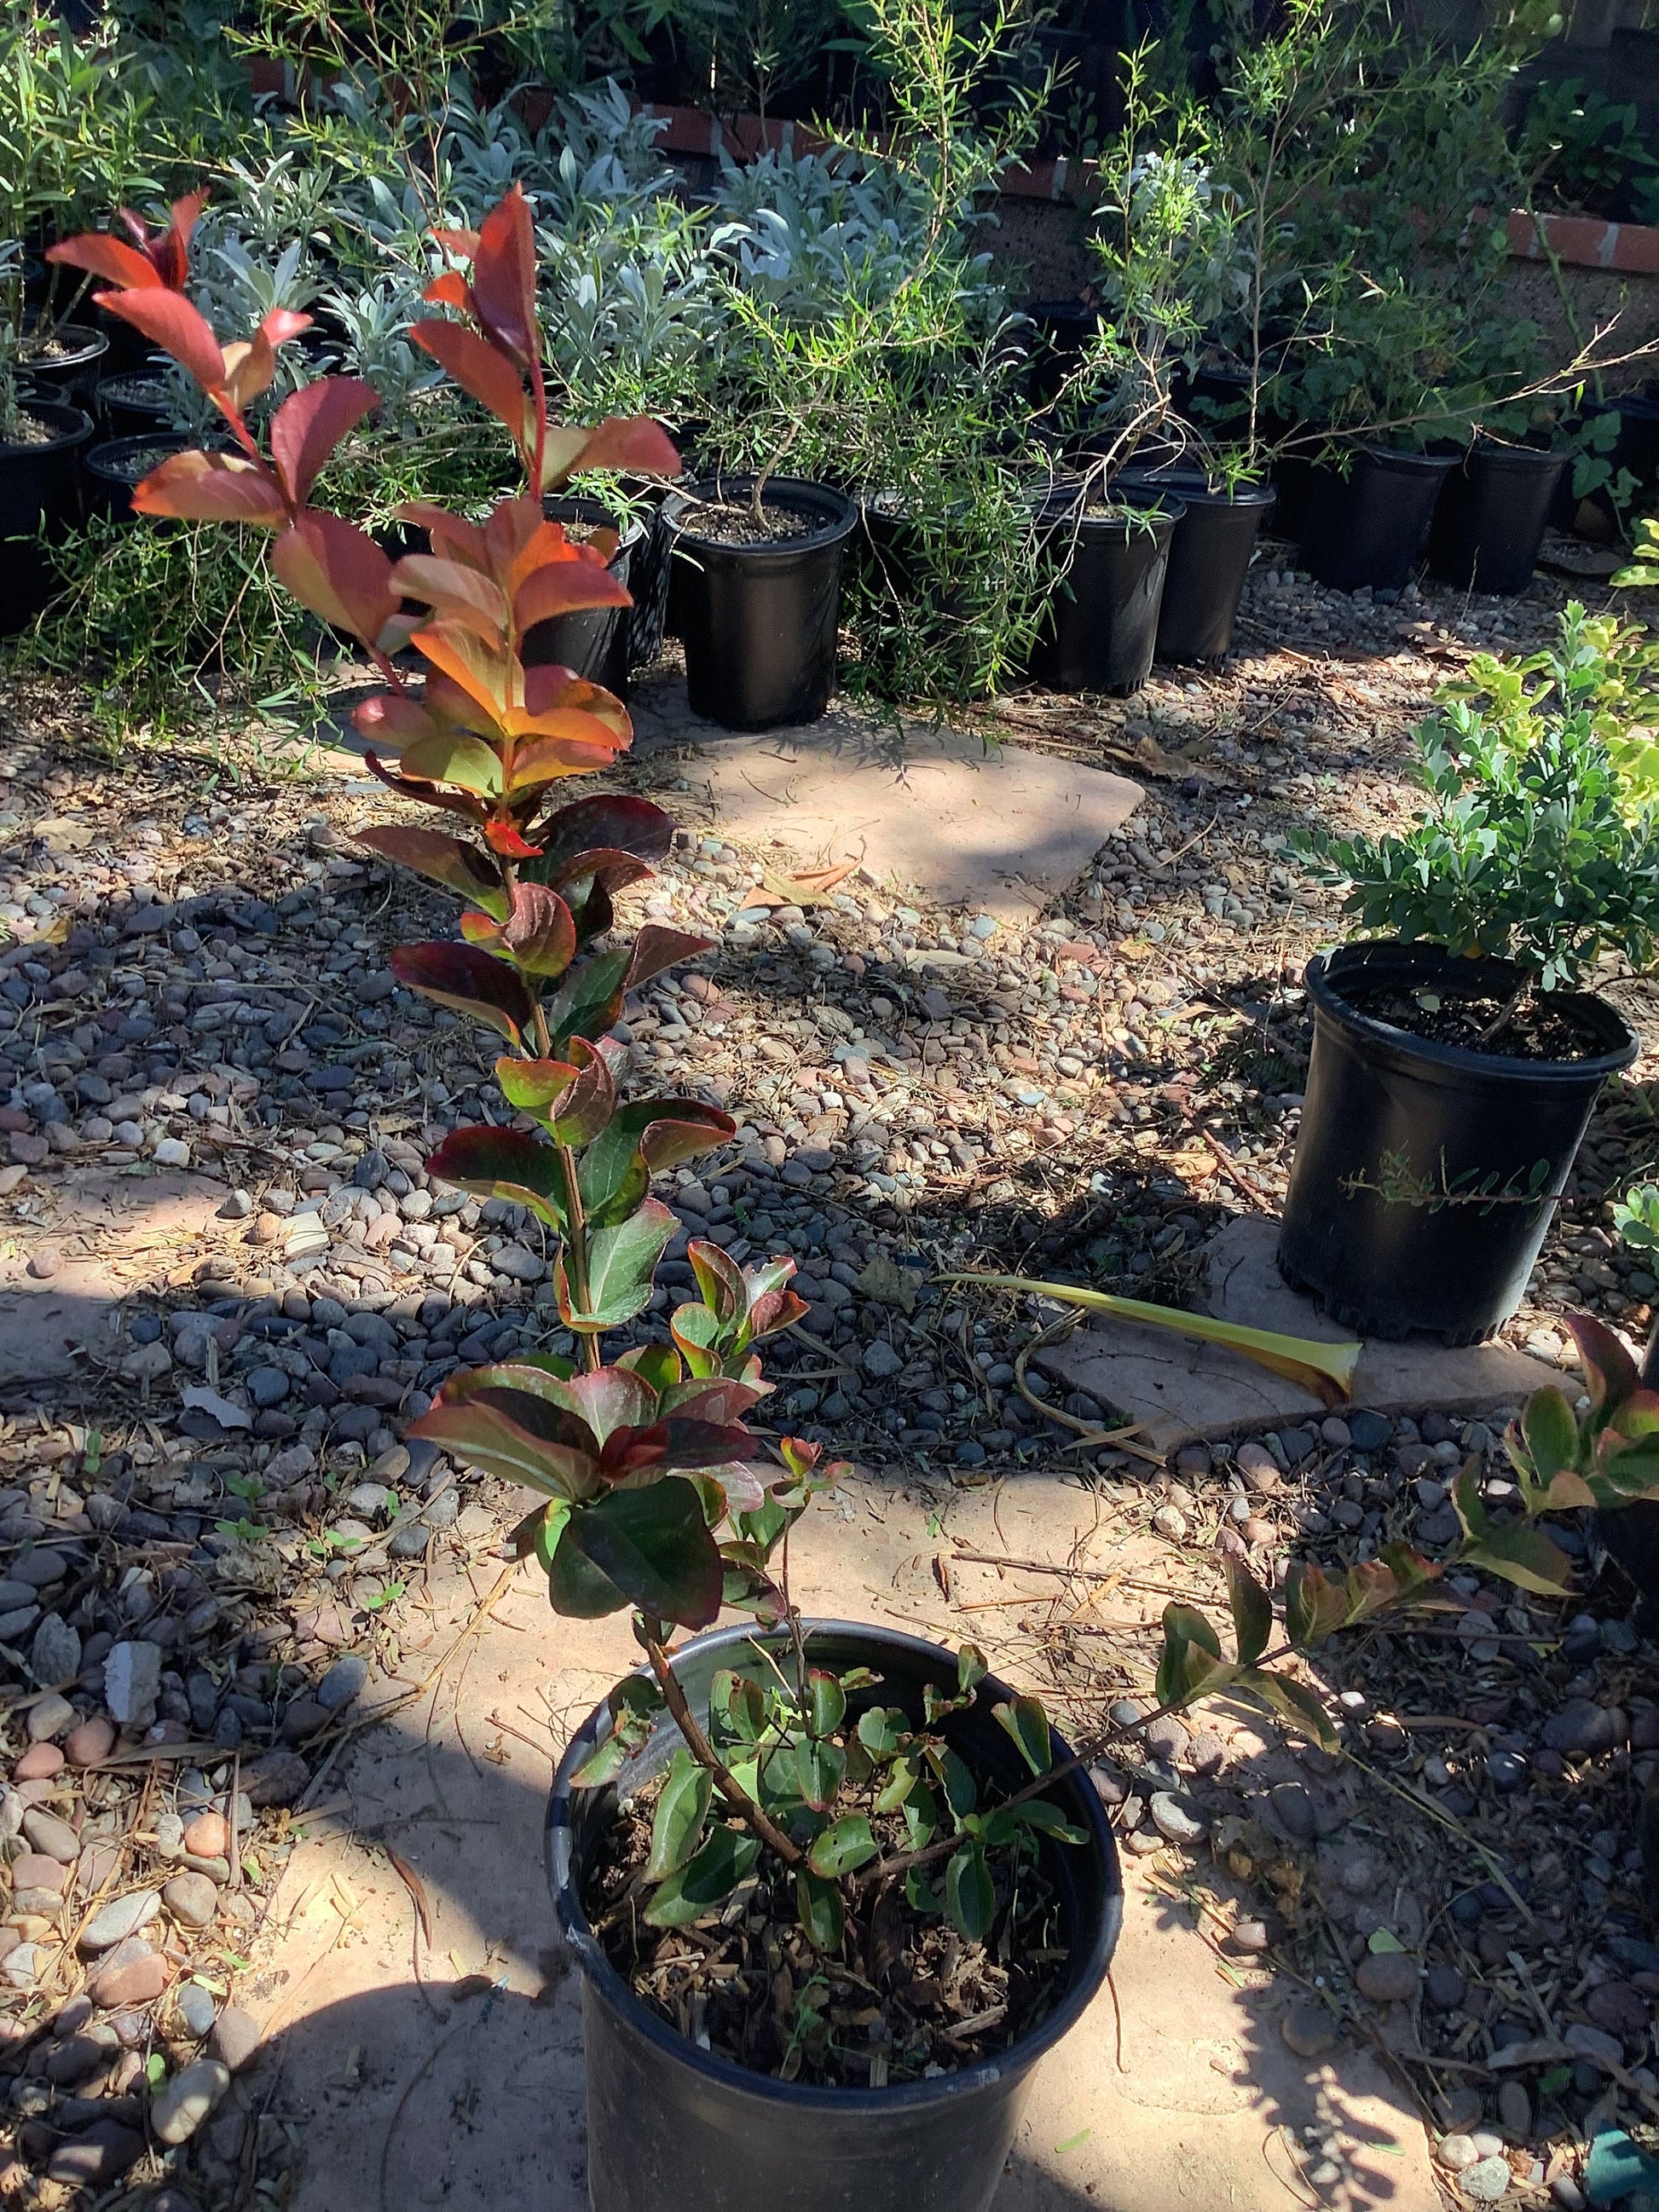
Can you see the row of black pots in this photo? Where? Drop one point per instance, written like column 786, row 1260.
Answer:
column 1481, row 515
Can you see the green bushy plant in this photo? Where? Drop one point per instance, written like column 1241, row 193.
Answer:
column 1529, row 847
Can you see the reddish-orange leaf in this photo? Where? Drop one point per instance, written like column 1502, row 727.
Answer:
column 548, row 689
column 339, row 573
column 632, row 442
column 169, row 321
column 484, row 676
column 504, row 277
column 452, row 536
column 211, row 488
column 567, row 587
column 543, row 760
column 454, row 240
column 311, row 422
column 108, row 258
column 487, row 375
column 457, row 594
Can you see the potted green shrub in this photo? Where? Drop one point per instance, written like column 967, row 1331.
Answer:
column 1167, row 248
column 1455, row 1061
column 853, row 1796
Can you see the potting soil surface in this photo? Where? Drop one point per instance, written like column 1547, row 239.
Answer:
column 280, row 1716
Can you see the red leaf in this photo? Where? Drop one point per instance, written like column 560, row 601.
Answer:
column 656, row 948
column 454, row 240
column 455, row 539
column 488, row 376
column 211, row 488
column 108, row 258
column 456, row 593
column 504, row 277
column 339, row 573
column 471, row 982
column 170, row 252
column 447, row 860
column 278, row 324
column 539, row 931
column 168, row 320
column 510, row 841
column 501, row 1163
column 563, row 588
column 590, row 829
column 483, row 675
column 451, row 288
column 309, row 424
column 630, row 442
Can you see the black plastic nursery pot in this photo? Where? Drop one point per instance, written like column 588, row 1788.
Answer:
column 594, row 642
column 71, row 373
column 758, row 621
column 116, row 465
column 672, row 2124
column 1293, row 478
column 1209, row 559
column 40, row 486
column 1368, row 527
column 1379, row 1101
column 131, row 404
column 1100, row 629
column 1493, row 510
column 1063, row 328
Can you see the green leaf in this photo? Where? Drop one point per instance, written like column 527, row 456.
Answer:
column 639, row 1140
column 822, row 1915
column 956, row 1779
column 1314, row 1607
column 687, row 1790
column 970, row 1898
column 1291, row 1702
column 819, row 1767
column 550, row 1526
column 845, row 1845
column 656, row 1547
column 1381, row 1940
column 921, row 1814
column 1191, row 1661
column 576, row 1588
column 454, row 757
column 882, row 1729
column 920, row 1893
column 1048, row 1821
column 736, row 1704
column 727, row 1859
column 972, row 1668
column 826, row 1702
column 900, row 1783
column 1465, row 1496
column 622, row 1262
column 1550, row 1431
column 1253, row 1611
column 1026, row 1722
column 1518, row 1553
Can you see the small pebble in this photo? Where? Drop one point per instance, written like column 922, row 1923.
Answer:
column 190, row 1898
column 187, row 2101
column 1308, row 2030
column 1487, row 2180
column 1456, row 2153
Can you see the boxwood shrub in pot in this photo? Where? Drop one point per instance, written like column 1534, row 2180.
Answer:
column 1455, row 1062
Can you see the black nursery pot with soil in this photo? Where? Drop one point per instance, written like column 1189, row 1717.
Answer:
column 592, row 643
column 1209, row 559
column 64, row 364
column 758, row 612
column 1368, row 527
column 1100, row 628
column 133, row 404
column 1491, row 519
column 1450, row 1117
column 39, row 485
column 670, row 2122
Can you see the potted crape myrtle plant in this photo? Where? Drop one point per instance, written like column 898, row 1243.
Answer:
column 1457, row 1058
column 933, row 1872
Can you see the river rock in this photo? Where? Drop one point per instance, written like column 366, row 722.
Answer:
column 190, row 1898
column 122, row 1917
column 1387, row 1977
column 1308, row 2030
column 235, row 2037
column 187, row 2099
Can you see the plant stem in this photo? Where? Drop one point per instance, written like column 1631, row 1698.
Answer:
column 706, row 1756
column 575, row 1250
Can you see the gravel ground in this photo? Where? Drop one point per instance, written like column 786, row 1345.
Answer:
column 213, row 1541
